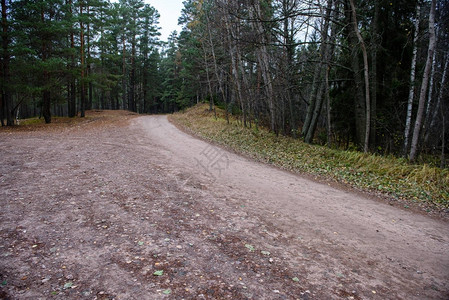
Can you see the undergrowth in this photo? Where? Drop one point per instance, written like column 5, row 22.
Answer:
column 369, row 172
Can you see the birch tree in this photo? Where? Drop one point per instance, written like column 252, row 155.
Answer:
column 424, row 84
column 316, row 97
column 411, row 95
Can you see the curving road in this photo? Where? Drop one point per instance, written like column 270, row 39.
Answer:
column 360, row 240
column 137, row 209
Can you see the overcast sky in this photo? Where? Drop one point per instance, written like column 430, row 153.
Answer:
column 170, row 10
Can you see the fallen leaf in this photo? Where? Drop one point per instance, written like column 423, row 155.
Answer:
column 68, row 285
column 250, row 247
column 46, row 279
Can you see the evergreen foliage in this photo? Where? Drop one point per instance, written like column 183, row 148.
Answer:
column 294, row 66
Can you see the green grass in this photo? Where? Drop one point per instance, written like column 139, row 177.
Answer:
column 369, row 172
column 31, row 121
column 54, row 120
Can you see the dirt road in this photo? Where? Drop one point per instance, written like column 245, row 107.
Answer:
column 141, row 210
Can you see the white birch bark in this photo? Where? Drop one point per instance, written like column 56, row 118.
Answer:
column 411, row 93
column 424, row 85
column 440, row 97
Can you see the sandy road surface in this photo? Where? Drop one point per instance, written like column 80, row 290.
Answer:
column 94, row 214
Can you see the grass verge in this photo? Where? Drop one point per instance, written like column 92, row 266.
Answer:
column 421, row 184
column 93, row 118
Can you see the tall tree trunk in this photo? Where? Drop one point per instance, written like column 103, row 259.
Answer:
column 117, row 99
column 46, row 102
column 5, row 74
column 144, row 70
column 373, row 73
column 424, row 84
column 430, row 94
column 334, row 30
column 103, row 104
column 366, row 75
column 312, row 98
column 443, row 141
column 124, row 100
column 431, row 84
column 316, row 113
column 132, row 79
column 83, row 71
column 209, row 84
column 411, row 94
column 357, row 91
column 359, row 102
column 315, row 100
column 214, row 58
column 72, row 85
column 439, row 100
column 146, row 105
column 247, row 93
column 234, row 67
column 46, row 96
column 329, row 109
column 264, row 62
column 288, row 60
column 2, row 109
column 325, row 54
column 88, row 69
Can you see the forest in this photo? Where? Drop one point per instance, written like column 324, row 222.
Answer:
column 349, row 74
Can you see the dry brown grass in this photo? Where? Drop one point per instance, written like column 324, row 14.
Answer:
column 93, row 118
